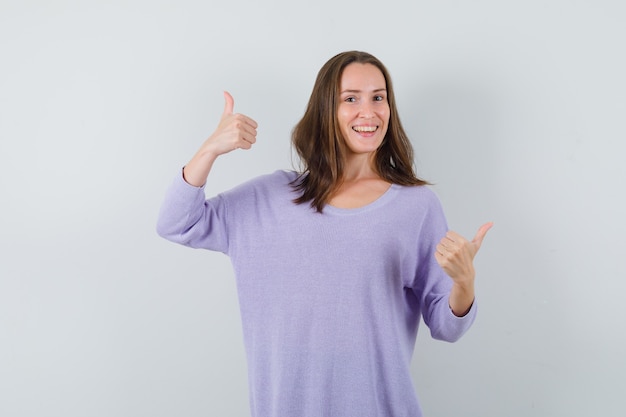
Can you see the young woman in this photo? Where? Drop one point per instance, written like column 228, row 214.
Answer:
column 335, row 264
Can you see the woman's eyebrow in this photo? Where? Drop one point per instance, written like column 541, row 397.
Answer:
column 378, row 90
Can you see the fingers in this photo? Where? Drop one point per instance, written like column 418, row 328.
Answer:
column 455, row 248
column 455, row 258
column 452, row 243
column 244, row 132
column 236, row 130
column 455, row 254
column 229, row 104
column 480, row 235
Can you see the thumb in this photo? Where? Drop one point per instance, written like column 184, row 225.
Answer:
column 229, row 104
column 480, row 235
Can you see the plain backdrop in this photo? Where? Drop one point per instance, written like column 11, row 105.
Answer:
column 516, row 110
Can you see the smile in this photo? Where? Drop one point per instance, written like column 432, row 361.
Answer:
column 365, row 129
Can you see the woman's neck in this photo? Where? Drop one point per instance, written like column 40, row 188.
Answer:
column 358, row 167
column 360, row 186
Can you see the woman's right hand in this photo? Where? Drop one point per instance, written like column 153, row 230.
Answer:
column 234, row 131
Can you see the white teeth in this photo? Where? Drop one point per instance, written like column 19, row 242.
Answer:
column 364, row 128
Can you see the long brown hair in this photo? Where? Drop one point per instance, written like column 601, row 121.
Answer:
column 318, row 140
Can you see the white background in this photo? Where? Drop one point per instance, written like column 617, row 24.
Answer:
column 517, row 113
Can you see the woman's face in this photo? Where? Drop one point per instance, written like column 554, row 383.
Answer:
column 363, row 111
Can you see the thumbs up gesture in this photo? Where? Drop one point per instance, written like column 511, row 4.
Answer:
column 455, row 254
column 234, row 131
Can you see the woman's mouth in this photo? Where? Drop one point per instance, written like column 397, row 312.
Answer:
column 364, row 129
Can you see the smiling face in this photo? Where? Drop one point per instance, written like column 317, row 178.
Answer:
column 363, row 110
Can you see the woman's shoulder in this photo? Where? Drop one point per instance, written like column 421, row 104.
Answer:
column 419, row 194
column 278, row 179
column 420, row 205
column 267, row 184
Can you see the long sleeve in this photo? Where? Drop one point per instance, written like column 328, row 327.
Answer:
column 330, row 302
column 188, row 219
column 432, row 285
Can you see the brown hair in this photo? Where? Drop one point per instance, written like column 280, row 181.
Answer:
column 318, row 140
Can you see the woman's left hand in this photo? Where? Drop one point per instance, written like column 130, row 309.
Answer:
column 455, row 254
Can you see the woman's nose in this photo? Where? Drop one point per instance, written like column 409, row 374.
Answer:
column 366, row 109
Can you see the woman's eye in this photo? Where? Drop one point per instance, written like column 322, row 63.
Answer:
column 350, row 99
column 379, row 98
